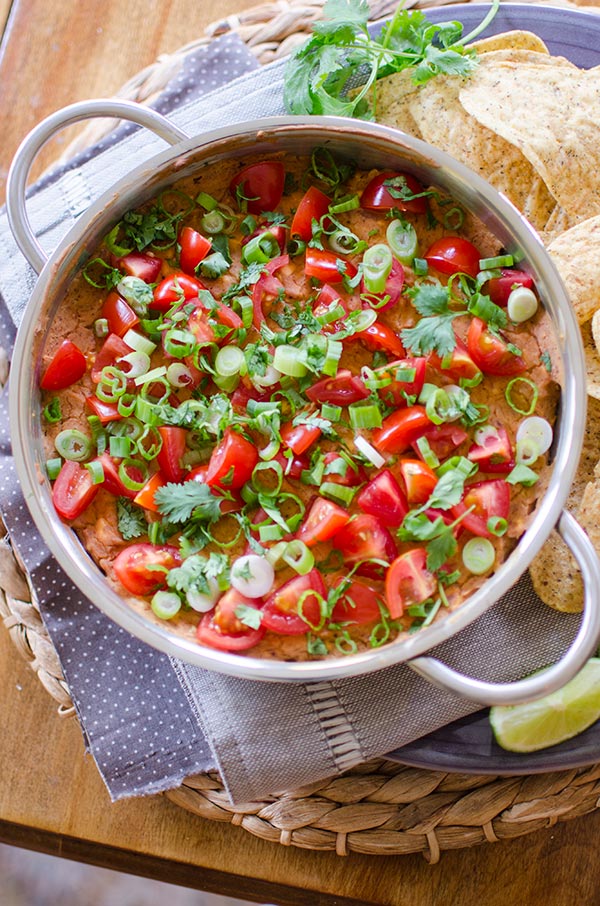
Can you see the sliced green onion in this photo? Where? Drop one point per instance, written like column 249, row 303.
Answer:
column 333, row 313
column 52, row 411
column 271, row 450
column 364, row 416
column 179, row 375
column 112, row 384
column 139, row 342
column 179, row 343
column 429, row 457
column 420, row 267
column 522, row 474
column 152, row 376
column 346, row 203
column 369, row 452
column 309, row 593
column 522, row 304
column 332, row 413
column 130, row 483
column 343, row 242
column 377, row 264
column 497, row 525
column 333, row 355
column 138, row 294
column 73, row 445
column 478, row 555
column 202, row 602
column 226, row 384
column 270, row 532
column 138, row 362
column 96, row 470
column 298, row 556
column 213, row 222
column 345, row 644
column 120, row 447
column 275, row 554
column 260, row 249
column 289, row 360
column 230, row 360
column 272, row 488
column 206, row 201
column 252, row 575
column 150, row 442
column 101, row 328
column 149, row 388
column 488, row 264
column 53, row 467
column 402, row 239
column 165, row 604
column 534, row 395
column 339, row 493
column 146, row 411
column 534, row 432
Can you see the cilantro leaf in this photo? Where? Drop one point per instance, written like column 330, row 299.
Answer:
column 179, row 501
column 131, row 519
column 249, row 616
column 435, row 333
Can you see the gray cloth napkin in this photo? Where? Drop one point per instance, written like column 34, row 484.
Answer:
column 149, row 720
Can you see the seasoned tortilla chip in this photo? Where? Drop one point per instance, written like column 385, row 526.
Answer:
column 510, row 40
column 443, row 122
column 554, row 572
column 592, row 362
column 595, row 324
column 392, row 104
column 575, row 254
column 549, row 110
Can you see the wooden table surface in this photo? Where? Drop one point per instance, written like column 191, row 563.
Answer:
column 51, row 796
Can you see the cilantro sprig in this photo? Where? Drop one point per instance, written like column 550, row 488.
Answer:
column 342, row 54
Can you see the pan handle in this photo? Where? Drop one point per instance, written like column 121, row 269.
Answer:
column 17, row 176
column 547, row 681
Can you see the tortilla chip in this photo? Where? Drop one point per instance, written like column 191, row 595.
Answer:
column 549, row 110
column 575, row 254
column 510, row 40
column 554, row 572
column 394, row 94
column 444, row 122
column 592, row 362
column 595, row 325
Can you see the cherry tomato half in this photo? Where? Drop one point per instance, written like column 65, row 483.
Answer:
column 139, row 264
column 392, row 292
column 293, row 466
column 377, row 196
column 313, row 205
column 141, row 568
column 299, row 437
column 490, row 352
column 232, row 462
column 145, row 496
column 194, row 249
column 259, row 187
column 453, row 255
column 341, row 390
column 67, row 365
column 322, row 521
column 494, row 453
column 73, row 490
column 458, row 364
column 280, row 612
column 365, row 538
column 177, row 287
column 339, row 470
column 119, row 314
column 408, row 582
column 379, row 337
column 267, row 288
column 383, row 497
column 418, row 479
column 500, row 288
column 106, row 412
column 221, row 628
column 112, row 480
column 328, row 267
column 400, row 391
column 113, row 348
column 488, row 500
column 359, row 604
column 400, row 429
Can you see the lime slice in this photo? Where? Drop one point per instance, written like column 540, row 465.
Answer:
column 552, row 719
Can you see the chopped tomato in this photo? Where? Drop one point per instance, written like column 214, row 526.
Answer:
column 170, row 455
column 495, row 453
column 142, row 567
column 232, row 462
column 398, row 193
column 340, row 471
column 380, row 338
column 259, row 187
column 384, row 498
column 322, row 521
column 418, row 480
column 244, row 392
column 281, row 613
column 486, row 500
column 408, row 582
column 453, row 255
column 327, row 299
column 490, row 352
column 313, row 205
column 299, row 437
column 113, row 482
column 293, row 466
column 221, row 628
column 145, row 496
column 194, row 249
column 359, row 604
column 341, row 390
column 113, row 349
column 399, row 392
column 177, row 287
column 400, row 429
column 365, row 538
column 67, row 365
column 392, row 292
column 458, row 364
column 139, row 264
column 443, row 440
column 267, row 288
column 119, row 314
column 500, row 288
column 328, row 267
column 73, row 490
column 106, row 412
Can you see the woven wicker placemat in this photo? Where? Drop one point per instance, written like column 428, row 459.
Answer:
column 381, row 807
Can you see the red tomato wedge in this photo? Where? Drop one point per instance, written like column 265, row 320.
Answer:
column 267, row 288
column 221, row 628
column 392, row 292
column 408, row 582
column 73, row 490
column 327, row 299
column 341, row 390
column 112, row 480
column 360, row 604
column 177, row 287
column 495, row 453
column 232, row 462
column 400, row 391
column 299, row 438
column 500, row 288
column 453, row 255
column 457, row 365
column 400, row 429
column 488, row 500
column 443, row 440
column 379, row 337
column 194, row 249
column 418, row 479
column 119, row 314
column 328, row 267
column 490, row 352
column 259, row 187
column 139, row 264
column 365, row 538
column 67, row 366
column 172, row 451
column 383, row 497
column 322, row 521
column 377, row 196
column 141, row 568
column 113, row 349
column 281, row 612
column 145, row 496
column 339, row 471
column 313, row 205
column 106, row 412
column 293, row 466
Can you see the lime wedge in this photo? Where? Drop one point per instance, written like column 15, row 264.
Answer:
column 552, row 719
